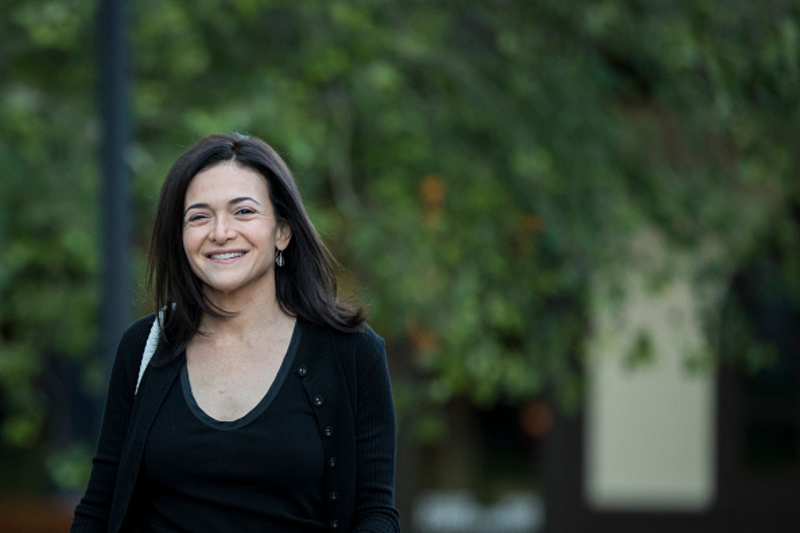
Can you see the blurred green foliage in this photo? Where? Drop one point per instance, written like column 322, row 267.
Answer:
column 472, row 164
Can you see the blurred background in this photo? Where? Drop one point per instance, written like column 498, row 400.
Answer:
column 576, row 224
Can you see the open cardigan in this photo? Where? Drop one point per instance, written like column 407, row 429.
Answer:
column 346, row 379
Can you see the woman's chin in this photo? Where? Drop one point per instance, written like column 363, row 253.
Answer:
column 221, row 289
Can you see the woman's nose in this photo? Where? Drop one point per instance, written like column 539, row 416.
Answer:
column 222, row 230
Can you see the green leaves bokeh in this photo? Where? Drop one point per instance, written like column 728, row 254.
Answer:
column 471, row 164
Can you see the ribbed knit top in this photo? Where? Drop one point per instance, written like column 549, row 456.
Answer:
column 346, row 379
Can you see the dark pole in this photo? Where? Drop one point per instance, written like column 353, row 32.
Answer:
column 113, row 97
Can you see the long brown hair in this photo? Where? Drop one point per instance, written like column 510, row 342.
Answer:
column 305, row 286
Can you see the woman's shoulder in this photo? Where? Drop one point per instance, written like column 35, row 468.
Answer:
column 129, row 353
column 364, row 334
column 363, row 343
column 136, row 334
column 142, row 324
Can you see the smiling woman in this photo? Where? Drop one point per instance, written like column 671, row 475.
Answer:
column 255, row 353
column 231, row 236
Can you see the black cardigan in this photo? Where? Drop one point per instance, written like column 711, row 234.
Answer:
column 347, row 380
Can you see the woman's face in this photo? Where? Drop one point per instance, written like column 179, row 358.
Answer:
column 230, row 232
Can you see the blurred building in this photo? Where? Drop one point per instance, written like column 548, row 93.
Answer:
column 670, row 439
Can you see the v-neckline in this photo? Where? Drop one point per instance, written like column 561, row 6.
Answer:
column 260, row 407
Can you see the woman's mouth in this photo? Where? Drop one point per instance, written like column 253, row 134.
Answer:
column 227, row 255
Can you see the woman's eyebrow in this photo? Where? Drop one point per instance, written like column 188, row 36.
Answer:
column 203, row 205
column 196, row 206
column 242, row 199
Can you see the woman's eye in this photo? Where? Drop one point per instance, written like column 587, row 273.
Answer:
column 196, row 218
column 245, row 211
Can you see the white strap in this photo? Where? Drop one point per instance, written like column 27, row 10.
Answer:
column 150, row 347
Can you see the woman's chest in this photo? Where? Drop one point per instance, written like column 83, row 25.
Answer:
column 228, row 381
column 229, row 392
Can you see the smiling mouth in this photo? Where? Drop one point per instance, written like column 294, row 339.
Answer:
column 230, row 255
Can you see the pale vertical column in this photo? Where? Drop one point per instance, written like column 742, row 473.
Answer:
column 650, row 433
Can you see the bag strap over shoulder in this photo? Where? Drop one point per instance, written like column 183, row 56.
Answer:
column 150, row 347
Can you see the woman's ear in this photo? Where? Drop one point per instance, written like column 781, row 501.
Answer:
column 283, row 235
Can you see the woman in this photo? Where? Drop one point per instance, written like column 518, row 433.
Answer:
column 267, row 403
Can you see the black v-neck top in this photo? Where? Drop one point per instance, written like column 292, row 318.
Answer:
column 346, row 380
column 262, row 472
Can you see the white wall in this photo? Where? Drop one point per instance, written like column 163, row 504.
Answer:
column 649, row 430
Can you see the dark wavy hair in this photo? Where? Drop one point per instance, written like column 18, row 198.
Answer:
column 305, row 286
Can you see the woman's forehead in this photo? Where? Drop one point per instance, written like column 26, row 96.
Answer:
column 226, row 181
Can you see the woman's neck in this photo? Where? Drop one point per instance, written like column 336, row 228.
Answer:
column 251, row 315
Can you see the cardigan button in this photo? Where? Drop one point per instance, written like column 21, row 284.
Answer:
column 318, row 401
column 332, row 462
column 333, row 496
column 334, row 524
column 328, row 431
column 302, row 371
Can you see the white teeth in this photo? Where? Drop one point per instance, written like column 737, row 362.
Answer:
column 227, row 256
